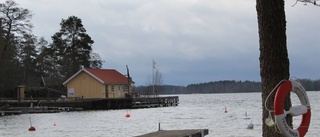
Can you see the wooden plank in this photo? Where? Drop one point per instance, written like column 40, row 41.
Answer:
column 178, row 133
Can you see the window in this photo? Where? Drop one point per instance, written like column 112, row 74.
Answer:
column 125, row 88
column 119, row 88
column 112, row 88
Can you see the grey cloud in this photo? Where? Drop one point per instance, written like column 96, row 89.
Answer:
column 191, row 40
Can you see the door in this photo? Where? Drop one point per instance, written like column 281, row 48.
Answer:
column 119, row 93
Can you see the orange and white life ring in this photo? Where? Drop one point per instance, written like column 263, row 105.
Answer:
column 304, row 109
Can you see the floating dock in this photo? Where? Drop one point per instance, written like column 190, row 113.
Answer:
column 178, row 133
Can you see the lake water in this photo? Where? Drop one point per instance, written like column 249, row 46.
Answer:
column 195, row 111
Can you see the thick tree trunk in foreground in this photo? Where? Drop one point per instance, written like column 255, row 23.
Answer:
column 1, row 42
column 274, row 62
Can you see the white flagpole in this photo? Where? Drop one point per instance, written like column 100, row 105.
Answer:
column 153, row 80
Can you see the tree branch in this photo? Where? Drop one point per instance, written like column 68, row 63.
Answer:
column 306, row 2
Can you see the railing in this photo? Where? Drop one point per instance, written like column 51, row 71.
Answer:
column 155, row 101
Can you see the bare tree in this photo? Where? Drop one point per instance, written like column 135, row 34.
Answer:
column 95, row 60
column 307, row 1
column 158, row 81
column 15, row 22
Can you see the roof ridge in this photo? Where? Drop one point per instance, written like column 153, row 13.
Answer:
column 100, row 69
column 103, row 75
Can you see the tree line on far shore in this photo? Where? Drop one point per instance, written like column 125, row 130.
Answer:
column 223, row 86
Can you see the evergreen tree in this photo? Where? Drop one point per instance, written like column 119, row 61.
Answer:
column 46, row 65
column 27, row 56
column 14, row 24
column 71, row 47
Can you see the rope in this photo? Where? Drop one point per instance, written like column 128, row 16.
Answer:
column 265, row 102
column 269, row 110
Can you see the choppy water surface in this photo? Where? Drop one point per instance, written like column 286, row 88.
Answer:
column 195, row 111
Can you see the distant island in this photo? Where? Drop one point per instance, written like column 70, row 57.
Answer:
column 223, row 86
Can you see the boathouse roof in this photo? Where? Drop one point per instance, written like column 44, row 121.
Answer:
column 105, row 76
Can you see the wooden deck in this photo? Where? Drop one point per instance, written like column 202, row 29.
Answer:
column 178, row 133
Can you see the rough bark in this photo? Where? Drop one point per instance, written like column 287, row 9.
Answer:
column 2, row 45
column 274, row 62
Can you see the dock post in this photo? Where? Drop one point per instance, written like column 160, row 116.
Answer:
column 159, row 127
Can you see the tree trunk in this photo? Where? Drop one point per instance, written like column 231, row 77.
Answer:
column 1, row 42
column 274, row 62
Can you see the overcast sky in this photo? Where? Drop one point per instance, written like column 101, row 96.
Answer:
column 191, row 41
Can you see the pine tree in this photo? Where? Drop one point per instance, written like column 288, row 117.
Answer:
column 71, row 47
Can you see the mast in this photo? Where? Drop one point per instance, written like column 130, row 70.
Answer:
column 129, row 80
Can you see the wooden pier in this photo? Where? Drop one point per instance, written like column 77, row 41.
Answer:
column 147, row 102
column 11, row 112
column 178, row 133
column 96, row 104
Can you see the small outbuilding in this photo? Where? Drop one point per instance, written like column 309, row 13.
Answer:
column 89, row 83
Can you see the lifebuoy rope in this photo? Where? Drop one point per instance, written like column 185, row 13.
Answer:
column 272, row 110
column 278, row 121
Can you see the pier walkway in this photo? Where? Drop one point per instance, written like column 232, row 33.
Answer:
column 95, row 104
column 178, row 133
